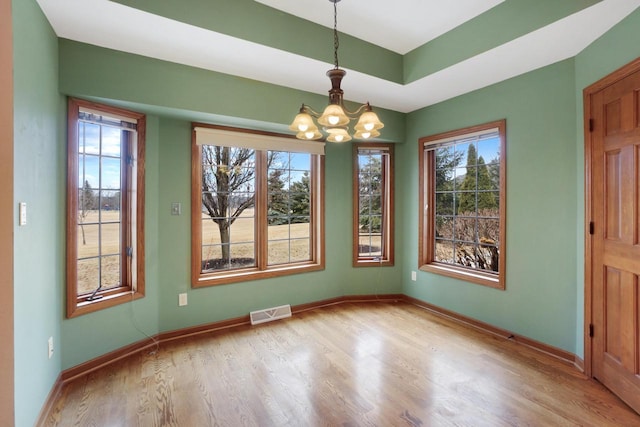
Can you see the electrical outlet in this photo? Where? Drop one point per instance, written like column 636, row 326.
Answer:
column 414, row 276
column 50, row 344
column 182, row 299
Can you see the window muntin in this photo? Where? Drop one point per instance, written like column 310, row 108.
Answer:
column 373, row 204
column 274, row 206
column 105, row 221
column 463, row 195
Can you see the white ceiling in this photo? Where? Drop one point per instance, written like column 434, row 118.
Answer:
column 400, row 25
column 115, row 26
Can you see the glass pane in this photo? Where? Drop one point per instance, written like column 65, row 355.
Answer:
column 465, row 229
column 463, row 150
column 110, row 205
column 227, row 256
column 494, row 175
column 278, row 160
column 444, row 227
column 87, row 240
column 489, row 231
column 279, row 232
column 278, row 252
column 210, row 232
column 110, row 173
column 110, row 274
column 445, row 179
column 110, row 239
column 89, row 138
column 242, row 255
column 465, row 256
column 242, row 230
column 111, row 141
column 88, row 274
column 278, row 181
column 300, row 161
column 299, row 181
column 488, row 203
column 88, row 171
column 87, row 204
column 300, row 227
column 444, row 251
column 300, row 250
column 466, row 203
column 211, row 258
column 370, row 244
column 278, row 204
column 444, row 203
column 489, row 150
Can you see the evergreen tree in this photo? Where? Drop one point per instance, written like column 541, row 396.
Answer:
column 370, row 203
column 486, row 198
column 467, row 199
column 299, row 194
column 476, row 185
column 278, row 207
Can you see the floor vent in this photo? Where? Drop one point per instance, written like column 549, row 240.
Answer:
column 269, row 314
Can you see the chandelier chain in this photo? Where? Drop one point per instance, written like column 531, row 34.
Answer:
column 336, row 42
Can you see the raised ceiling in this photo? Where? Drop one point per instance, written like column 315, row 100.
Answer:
column 429, row 50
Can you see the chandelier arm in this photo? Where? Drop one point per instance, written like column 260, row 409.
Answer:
column 354, row 114
column 310, row 111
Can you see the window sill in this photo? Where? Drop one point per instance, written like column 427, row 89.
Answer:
column 227, row 277
column 85, row 307
column 373, row 263
column 477, row 277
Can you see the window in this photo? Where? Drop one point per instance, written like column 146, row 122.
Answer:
column 105, row 206
column 256, row 205
column 462, row 197
column 372, row 204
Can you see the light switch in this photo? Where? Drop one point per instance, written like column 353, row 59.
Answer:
column 176, row 208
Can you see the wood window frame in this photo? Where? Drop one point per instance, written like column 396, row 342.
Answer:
column 426, row 223
column 261, row 270
column 388, row 225
column 133, row 208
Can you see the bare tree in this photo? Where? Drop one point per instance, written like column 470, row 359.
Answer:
column 228, row 175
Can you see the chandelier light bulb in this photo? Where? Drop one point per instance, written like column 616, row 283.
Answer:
column 369, row 126
column 309, row 134
column 302, row 127
column 333, row 120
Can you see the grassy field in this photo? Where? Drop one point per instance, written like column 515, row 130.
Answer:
column 106, row 242
column 287, row 243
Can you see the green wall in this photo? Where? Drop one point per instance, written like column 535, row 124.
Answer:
column 539, row 301
column 38, row 181
column 173, row 95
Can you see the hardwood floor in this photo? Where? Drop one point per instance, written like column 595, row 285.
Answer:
column 371, row 364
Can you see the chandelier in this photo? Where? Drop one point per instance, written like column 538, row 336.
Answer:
column 335, row 118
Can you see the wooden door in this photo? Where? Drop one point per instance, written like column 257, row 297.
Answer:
column 615, row 234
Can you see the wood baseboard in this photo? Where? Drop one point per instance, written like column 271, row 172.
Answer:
column 53, row 396
column 558, row 353
column 226, row 325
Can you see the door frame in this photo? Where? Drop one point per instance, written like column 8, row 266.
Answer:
column 588, row 92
